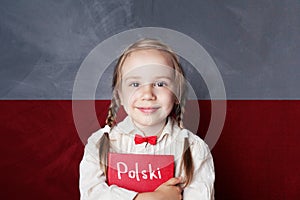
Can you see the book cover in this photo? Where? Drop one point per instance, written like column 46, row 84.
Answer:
column 139, row 172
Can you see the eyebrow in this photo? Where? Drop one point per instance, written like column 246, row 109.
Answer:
column 139, row 77
column 133, row 77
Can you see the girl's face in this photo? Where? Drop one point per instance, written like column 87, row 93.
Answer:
column 147, row 88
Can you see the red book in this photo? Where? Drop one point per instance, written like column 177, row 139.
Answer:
column 139, row 172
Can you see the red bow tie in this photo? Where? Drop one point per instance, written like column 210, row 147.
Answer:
column 138, row 139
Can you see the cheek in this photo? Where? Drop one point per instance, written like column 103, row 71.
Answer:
column 168, row 97
column 128, row 98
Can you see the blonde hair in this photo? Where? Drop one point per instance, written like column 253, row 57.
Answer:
column 176, row 113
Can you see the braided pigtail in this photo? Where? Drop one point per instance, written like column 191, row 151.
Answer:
column 187, row 163
column 104, row 143
column 113, row 109
column 103, row 151
column 178, row 111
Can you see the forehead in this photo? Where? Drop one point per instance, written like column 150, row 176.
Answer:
column 147, row 61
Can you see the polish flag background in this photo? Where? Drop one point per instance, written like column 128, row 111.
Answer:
column 255, row 46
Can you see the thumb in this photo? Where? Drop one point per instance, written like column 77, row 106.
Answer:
column 173, row 181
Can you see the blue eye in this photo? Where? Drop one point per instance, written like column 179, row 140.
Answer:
column 134, row 84
column 160, row 84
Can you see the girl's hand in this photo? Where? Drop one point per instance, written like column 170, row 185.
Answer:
column 170, row 190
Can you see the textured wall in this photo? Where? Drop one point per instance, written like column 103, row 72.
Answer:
column 254, row 43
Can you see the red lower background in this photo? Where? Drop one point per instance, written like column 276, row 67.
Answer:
column 256, row 156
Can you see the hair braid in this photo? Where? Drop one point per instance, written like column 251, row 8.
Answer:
column 187, row 161
column 112, row 111
column 104, row 143
column 178, row 113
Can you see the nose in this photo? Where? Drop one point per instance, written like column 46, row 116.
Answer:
column 147, row 92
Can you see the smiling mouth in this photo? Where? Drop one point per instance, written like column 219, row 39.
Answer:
column 147, row 110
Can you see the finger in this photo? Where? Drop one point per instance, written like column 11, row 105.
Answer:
column 173, row 181
column 179, row 189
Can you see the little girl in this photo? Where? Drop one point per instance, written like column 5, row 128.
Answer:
column 149, row 83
